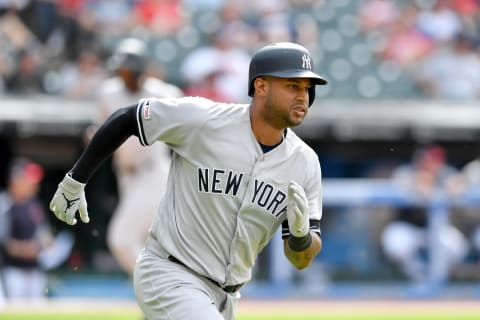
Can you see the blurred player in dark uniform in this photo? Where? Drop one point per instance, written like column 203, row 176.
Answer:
column 29, row 248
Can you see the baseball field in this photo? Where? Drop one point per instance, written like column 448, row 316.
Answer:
column 260, row 310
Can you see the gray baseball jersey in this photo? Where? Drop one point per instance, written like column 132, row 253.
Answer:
column 225, row 198
column 130, row 157
column 141, row 172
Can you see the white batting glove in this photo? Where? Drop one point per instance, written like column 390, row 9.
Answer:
column 68, row 199
column 297, row 210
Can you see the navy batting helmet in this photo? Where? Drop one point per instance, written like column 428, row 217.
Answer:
column 130, row 54
column 284, row 60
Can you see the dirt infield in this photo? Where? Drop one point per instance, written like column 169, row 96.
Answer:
column 258, row 307
column 69, row 305
column 341, row 307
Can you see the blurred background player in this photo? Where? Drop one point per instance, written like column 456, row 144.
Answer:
column 28, row 247
column 5, row 204
column 404, row 239
column 134, row 165
column 470, row 175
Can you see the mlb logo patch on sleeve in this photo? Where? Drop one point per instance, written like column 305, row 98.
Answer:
column 146, row 110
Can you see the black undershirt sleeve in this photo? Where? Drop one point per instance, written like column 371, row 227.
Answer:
column 114, row 131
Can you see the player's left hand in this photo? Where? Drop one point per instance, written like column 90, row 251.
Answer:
column 68, row 200
column 297, row 210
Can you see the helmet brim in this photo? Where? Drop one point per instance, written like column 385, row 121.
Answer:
column 315, row 78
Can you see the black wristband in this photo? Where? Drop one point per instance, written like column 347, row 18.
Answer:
column 299, row 243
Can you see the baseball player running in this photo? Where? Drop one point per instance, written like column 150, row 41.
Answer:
column 141, row 172
column 238, row 173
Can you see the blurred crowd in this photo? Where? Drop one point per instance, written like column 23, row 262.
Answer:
column 62, row 47
column 436, row 42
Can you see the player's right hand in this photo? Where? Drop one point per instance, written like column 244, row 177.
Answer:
column 68, row 199
column 297, row 210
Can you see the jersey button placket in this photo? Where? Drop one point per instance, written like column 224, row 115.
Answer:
column 245, row 203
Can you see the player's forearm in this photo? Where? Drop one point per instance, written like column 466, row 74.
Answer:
column 113, row 133
column 23, row 249
column 302, row 259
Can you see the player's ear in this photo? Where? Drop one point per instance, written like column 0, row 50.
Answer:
column 260, row 85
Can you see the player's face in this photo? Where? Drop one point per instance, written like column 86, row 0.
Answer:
column 130, row 79
column 287, row 101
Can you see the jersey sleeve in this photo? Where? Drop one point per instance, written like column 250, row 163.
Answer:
column 171, row 120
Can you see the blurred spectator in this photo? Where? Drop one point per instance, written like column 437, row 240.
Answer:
column 160, row 17
column 307, row 31
column 28, row 248
column 471, row 173
column 404, row 239
column 134, row 165
column 235, row 23
column 273, row 22
column 42, row 18
column 15, row 32
column 28, row 74
column 206, row 86
column 217, row 71
column 112, row 17
column 452, row 72
column 469, row 14
column 78, row 29
column 13, row 5
column 441, row 23
column 205, row 4
column 81, row 79
column 377, row 14
column 6, row 69
column 404, row 43
column 21, row 52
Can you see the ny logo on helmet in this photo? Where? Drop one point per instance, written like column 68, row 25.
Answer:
column 306, row 62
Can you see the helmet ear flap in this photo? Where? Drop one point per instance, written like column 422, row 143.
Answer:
column 311, row 95
column 251, row 87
